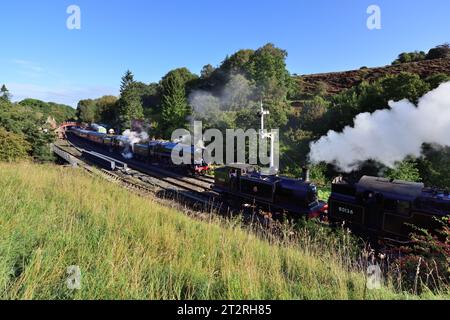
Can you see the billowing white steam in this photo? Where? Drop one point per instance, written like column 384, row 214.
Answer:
column 389, row 135
column 237, row 94
column 132, row 138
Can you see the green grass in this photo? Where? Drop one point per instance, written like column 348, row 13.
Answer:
column 133, row 248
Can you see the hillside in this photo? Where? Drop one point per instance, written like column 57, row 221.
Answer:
column 59, row 112
column 133, row 248
column 336, row 82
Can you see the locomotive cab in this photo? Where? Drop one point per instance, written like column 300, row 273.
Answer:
column 228, row 177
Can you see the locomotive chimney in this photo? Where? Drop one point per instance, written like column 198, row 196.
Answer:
column 305, row 174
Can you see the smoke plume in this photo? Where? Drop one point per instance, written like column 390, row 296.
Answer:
column 389, row 135
column 133, row 137
column 237, row 94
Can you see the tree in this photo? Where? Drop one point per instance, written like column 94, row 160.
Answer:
column 175, row 109
column 87, row 111
column 5, row 95
column 237, row 63
column 187, row 78
column 13, row 146
column 312, row 113
column 439, row 52
column 267, row 67
column 107, row 112
column 207, row 71
column 404, row 86
column 434, row 164
column 406, row 170
column 40, row 143
column 127, row 80
column 130, row 108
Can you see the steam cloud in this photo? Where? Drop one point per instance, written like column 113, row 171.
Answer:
column 236, row 95
column 133, row 137
column 390, row 135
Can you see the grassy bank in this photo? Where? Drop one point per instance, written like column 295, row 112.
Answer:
column 128, row 247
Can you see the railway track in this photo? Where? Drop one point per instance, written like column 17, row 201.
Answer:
column 145, row 184
column 197, row 183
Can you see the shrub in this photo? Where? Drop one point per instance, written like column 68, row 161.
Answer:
column 439, row 52
column 12, row 146
column 437, row 79
column 406, row 57
column 426, row 264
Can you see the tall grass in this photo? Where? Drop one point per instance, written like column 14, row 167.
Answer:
column 133, row 248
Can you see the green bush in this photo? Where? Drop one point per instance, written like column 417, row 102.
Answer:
column 31, row 126
column 437, row 79
column 13, row 146
column 406, row 57
column 440, row 52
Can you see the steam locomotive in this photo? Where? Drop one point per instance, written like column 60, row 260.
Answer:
column 152, row 152
column 279, row 194
column 387, row 209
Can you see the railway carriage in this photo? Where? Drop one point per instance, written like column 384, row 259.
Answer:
column 79, row 132
column 96, row 137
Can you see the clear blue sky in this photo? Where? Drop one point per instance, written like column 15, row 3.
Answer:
column 40, row 57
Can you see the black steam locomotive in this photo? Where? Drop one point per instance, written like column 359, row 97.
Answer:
column 279, row 194
column 387, row 209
